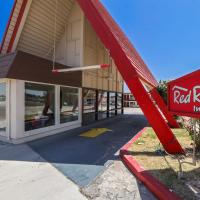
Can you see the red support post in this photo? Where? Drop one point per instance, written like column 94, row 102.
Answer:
column 132, row 69
column 161, row 128
column 163, row 107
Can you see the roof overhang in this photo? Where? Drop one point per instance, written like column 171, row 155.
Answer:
column 24, row 66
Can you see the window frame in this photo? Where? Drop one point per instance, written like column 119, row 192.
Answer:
column 112, row 111
column 57, row 124
column 104, row 111
column 7, row 131
column 79, row 108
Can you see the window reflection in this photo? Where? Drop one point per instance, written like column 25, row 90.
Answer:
column 2, row 106
column 112, row 105
column 89, row 106
column 119, row 100
column 102, row 105
column 119, row 103
column 89, row 98
column 39, row 106
column 68, row 104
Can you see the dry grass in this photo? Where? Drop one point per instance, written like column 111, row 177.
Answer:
column 146, row 150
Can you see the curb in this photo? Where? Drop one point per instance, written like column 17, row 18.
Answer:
column 124, row 150
column 156, row 187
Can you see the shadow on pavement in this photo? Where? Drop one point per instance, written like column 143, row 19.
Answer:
column 81, row 159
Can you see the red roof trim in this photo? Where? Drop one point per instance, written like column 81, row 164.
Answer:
column 7, row 26
column 127, row 59
column 19, row 18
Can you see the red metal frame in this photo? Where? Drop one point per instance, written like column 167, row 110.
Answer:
column 127, row 64
column 163, row 107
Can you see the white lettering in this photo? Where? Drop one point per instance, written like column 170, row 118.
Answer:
column 196, row 109
column 196, row 97
column 183, row 95
column 176, row 96
column 187, row 98
column 179, row 88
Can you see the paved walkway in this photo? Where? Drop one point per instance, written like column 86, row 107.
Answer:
column 27, row 176
column 56, row 167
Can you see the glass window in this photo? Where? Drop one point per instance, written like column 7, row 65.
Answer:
column 89, row 98
column 89, row 106
column 119, row 100
column 2, row 106
column 102, row 105
column 119, row 103
column 39, row 106
column 68, row 104
column 112, row 105
column 112, row 101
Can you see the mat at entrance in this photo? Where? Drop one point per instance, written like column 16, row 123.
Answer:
column 94, row 132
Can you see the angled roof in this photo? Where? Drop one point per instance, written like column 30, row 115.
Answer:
column 121, row 49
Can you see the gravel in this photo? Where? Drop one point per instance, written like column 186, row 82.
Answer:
column 116, row 182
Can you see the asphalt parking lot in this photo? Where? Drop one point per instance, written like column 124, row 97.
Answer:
column 82, row 159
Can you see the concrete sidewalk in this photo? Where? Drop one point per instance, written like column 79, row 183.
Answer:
column 26, row 176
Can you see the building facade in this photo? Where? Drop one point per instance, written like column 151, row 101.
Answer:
column 34, row 102
column 129, row 101
column 48, row 36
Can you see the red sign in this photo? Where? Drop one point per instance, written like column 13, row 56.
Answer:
column 184, row 95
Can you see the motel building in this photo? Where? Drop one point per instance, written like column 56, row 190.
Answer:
column 62, row 65
column 129, row 100
column 36, row 99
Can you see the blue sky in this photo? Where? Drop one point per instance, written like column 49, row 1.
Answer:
column 165, row 33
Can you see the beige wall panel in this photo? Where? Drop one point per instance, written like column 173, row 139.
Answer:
column 90, row 56
column 75, row 14
column 76, row 30
column 39, row 29
column 100, row 83
column 78, row 47
column 72, row 39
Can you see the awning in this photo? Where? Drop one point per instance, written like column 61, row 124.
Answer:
column 24, row 66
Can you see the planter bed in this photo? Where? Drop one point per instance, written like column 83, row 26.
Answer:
column 148, row 153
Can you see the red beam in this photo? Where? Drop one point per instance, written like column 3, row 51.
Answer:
column 163, row 107
column 115, row 41
column 161, row 128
